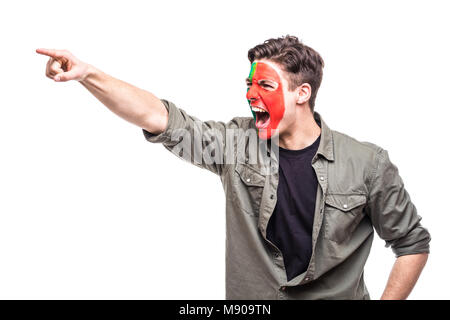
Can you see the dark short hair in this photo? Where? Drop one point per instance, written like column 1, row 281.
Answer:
column 302, row 63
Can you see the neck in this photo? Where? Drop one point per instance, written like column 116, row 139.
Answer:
column 303, row 131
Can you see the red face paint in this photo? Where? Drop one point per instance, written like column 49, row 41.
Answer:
column 267, row 97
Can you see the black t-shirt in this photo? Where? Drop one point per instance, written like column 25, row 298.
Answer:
column 290, row 226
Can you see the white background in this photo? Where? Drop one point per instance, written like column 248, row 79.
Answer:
column 90, row 210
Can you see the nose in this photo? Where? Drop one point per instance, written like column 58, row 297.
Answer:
column 252, row 94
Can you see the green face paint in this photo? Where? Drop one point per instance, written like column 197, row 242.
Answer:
column 250, row 77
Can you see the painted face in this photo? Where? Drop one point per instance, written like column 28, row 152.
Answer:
column 265, row 97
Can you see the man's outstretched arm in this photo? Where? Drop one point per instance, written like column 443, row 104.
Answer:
column 204, row 142
column 404, row 276
column 133, row 104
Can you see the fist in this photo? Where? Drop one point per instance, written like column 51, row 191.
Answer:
column 63, row 65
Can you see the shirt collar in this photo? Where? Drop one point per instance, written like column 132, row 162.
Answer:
column 326, row 141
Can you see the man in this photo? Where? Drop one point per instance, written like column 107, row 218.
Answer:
column 300, row 215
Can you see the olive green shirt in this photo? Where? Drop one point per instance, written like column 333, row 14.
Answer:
column 359, row 190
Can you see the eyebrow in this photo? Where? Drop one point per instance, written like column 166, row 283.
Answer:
column 267, row 80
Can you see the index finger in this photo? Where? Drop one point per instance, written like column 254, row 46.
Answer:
column 51, row 52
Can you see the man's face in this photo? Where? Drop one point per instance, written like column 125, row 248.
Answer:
column 266, row 95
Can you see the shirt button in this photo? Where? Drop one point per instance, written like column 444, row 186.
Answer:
column 321, row 178
column 345, row 206
column 248, row 180
column 283, row 288
column 272, row 196
column 306, row 279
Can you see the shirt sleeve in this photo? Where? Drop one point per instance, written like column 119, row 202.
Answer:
column 392, row 212
column 202, row 143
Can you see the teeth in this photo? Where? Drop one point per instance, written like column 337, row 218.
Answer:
column 256, row 109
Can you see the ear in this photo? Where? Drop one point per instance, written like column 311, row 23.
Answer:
column 303, row 93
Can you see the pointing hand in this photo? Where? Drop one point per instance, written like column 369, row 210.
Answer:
column 63, row 65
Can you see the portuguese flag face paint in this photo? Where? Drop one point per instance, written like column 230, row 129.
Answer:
column 265, row 97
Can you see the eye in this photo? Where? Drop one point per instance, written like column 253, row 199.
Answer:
column 268, row 85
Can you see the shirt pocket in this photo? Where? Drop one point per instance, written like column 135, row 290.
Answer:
column 248, row 188
column 342, row 214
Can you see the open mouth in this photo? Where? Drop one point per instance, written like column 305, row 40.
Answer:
column 262, row 117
